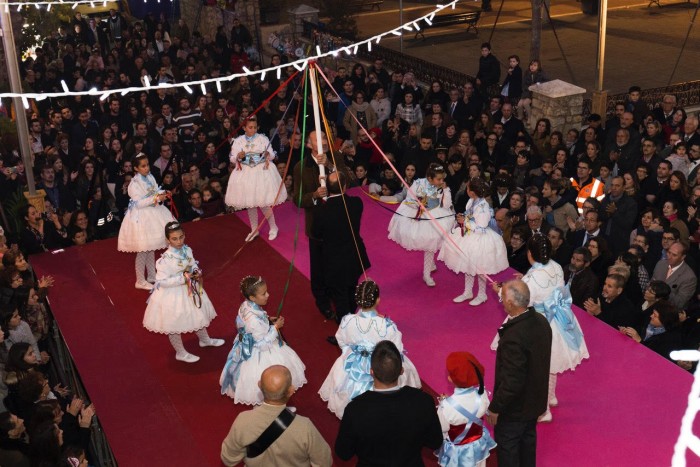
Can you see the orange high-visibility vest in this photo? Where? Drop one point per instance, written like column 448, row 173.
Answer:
column 595, row 189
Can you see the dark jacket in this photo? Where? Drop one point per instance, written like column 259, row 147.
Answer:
column 619, row 312
column 583, row 286
column 489, row 70
column 522, row 368
column 390, row 429
column 619, row 223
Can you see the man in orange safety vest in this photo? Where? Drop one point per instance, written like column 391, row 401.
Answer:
column 585, row 185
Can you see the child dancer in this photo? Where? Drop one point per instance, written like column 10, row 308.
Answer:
column 257, row 347
column 411, row 227
column 171, row 308
column 483, row 250
column 549, row 296
column 357, row 335
column 142, row 228
column 253, row 183
column 467, row 441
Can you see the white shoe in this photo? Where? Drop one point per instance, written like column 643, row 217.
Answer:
column 463, row 298
column 212, row 343
column 428, row 280
column 144, row 285
column 252, row 235
column 553, row 402
column 545, row 417
column 478, row 300
column 273, row 234
column 186, row 357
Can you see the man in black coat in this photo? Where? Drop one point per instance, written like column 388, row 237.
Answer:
column 522, row 377
column 621, row 213
column 614, row 309
column 582, row 281
column 339, row 233
column 390, row 425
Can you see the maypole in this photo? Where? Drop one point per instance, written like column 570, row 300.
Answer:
column 317, row 122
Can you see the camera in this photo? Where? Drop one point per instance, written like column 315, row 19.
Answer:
column 13, row 170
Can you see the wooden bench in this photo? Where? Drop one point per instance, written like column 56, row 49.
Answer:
column 360, row 5
column 470, row 19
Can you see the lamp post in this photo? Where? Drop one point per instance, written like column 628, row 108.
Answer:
column 8, row 43
column 600, row 96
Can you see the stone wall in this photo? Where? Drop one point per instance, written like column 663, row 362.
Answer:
column 558, row 101
column 212, row 17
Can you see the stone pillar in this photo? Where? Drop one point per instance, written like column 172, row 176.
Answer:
column 298, row 15
column 558, row 101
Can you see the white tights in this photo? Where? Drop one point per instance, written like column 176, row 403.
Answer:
column 145, row 262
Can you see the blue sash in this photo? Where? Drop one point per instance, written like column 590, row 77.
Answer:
column 557, row 308
column 357, row 366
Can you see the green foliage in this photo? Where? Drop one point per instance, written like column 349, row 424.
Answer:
column 12, row 206
column 41, row 23
column 341, row 19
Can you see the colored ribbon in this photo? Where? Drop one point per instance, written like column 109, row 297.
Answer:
column 357, row 366
column 557, row 308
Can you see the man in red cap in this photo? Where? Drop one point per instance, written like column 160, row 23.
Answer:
column 467, row 441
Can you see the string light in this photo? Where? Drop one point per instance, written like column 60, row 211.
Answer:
column 50, row 3
column 351, row 49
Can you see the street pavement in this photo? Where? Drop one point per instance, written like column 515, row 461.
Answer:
column 642, row 46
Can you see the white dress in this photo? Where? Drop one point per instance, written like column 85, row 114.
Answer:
column 250, row 184
column 349, row 376
column 549, row 296
column 256, row 347
column 484, row 250
column 143, row 227
column 421, row 233
column 171, row 309
column 471, row 453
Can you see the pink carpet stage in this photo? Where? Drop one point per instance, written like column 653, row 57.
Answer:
column 621, row 407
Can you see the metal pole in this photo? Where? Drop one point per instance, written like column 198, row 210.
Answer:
column 8, row 43
column 400, row 24
column 317, row 122
column 602, row 28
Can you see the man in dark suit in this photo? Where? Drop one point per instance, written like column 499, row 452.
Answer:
column 621, row 211
column 390, row 425
column 582, row 282
column 522, row 376
column 591, row 228
column 561, row 251
column 536, row 222
column 615, row 308
column 677, row 274
column 339, row 234
column 307, row 187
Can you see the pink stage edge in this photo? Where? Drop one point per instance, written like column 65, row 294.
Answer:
column 621, row 407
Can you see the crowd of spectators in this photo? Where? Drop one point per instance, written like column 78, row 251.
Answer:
column 618, row 198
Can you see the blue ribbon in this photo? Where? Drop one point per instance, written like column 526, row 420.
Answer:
column 557, row 308
column 357, row 367
column 241, row 351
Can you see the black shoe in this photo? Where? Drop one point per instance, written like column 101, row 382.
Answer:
column 328, row 314
column 332, row 340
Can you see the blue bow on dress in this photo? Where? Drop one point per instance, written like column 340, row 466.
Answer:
column 357, row 366
column 557, row 308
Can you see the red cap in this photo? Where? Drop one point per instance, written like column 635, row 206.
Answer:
column 460, row 367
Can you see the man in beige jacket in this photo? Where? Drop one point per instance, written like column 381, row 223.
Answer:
column 299, row 444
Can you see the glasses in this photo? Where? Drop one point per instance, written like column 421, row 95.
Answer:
column 668, row 239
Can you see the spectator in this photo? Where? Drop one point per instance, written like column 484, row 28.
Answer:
column 621, row 212
column 613, row 308
column 301, row 444
column 408, row 412
column 677, row 274
column 582, row 282
column 489, row 73
column 662, row 332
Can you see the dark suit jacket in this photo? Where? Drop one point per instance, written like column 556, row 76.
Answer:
column 620, row 312
column 306, row 182
column 583, row 286
column 620, row 223
column 682, row 282
column 563, row 254
column 340, row 260
column 522, row 368
column 390, row 429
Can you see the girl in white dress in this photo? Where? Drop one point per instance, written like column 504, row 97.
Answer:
column 141, row 231
column 412, row 228
column 483, row 250
column 467, row 441
column 254, row 183
column 257, row 347
column 357, row 335
column 177, row 305
column 549, row 296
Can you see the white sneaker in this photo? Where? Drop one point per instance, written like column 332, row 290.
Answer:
column 144, row 285
column 212, row 343
column 273, row 234
column 478, row 300
column 545, row 417
column 186, row 357
column 252, row 235
column 428, row 280
column 463, row 298
column 553, row 402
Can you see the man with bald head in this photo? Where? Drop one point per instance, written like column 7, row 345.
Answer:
column 307, row 185
column 522, row 377
column 299, row 444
